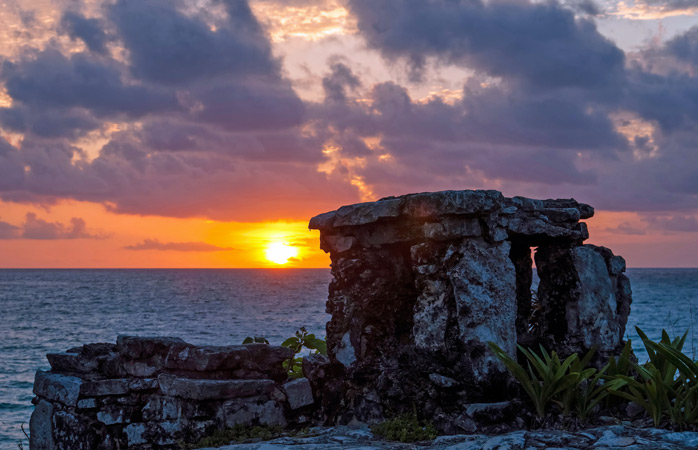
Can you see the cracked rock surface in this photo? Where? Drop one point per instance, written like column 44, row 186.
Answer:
column 602, row 438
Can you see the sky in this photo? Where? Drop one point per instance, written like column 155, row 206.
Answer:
column 206, row 133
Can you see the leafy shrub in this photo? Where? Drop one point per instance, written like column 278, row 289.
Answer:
column 405, row 428
column 302, row 339
column 297, row 343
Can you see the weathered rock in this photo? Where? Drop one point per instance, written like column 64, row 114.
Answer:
column 101, row 388
column 206, row 358
column 72, row 362
column 197, row 389
column 299, row 393
column 41, row 427
column 147, row 393
column 579, row 298
column 60, row 388
column 422, row 282
column 142, row 347
column 237, row 412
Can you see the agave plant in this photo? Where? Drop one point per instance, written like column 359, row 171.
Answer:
column 657, row 388
column 683, row 408
column 545, row 377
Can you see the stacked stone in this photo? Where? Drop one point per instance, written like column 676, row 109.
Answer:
column 422, row 282
column 151, row 392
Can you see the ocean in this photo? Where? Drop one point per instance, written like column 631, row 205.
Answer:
column 52, row 310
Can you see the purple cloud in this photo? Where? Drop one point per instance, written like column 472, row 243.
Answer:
column 155, row 244
column 36, row 228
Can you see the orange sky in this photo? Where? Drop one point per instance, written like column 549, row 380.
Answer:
column 244, row 245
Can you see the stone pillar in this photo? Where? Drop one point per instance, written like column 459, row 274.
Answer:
column 584, row 297
column 421, row 283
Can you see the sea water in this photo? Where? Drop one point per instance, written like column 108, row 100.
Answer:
column 46, row 311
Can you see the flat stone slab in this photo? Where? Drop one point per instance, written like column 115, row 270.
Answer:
column 615, row 437
column 196, row 389
column 59, row 388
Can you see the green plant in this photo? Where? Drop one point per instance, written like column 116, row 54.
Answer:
column 683, row 408
column 589, row 388
column 405, row 428
column 301, row 340
column 656, row 388
column 238, row 433
column 546, row 377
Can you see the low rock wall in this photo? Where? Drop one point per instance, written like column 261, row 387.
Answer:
column 151, row 392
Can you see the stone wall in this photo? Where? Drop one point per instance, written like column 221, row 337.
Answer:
column 422, row 282
column 145, row 393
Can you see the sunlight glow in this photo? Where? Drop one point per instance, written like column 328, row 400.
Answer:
column 281, row 252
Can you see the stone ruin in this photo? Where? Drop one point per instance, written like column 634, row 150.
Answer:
column 422, row 282
column 145, row 393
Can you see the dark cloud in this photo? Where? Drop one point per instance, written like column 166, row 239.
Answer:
column 155, row 244
column 338, row 81
column 539, row 44
column 685, row 46
column 250, row 106
column 36, row 228
column 90, row 31
column 52, row 80
column 166, row 46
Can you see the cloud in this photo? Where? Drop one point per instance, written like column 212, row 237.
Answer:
column 90, row 31
column 155, row 244
column 655, row 9
column 36, row 228
column 538, row 44
column 9, row 231
column 195, row 115
column 167, row 46
column 680, row 223
column 626, row 228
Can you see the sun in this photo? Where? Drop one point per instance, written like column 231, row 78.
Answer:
column 280, row 252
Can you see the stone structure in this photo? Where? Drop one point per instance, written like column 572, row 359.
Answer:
column 422, row 282
column 145, row 393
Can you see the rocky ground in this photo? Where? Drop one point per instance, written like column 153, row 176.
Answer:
column 601, row 438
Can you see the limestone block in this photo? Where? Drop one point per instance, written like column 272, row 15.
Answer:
column 238, row 411
column 72, row 362
column 60, row 388
column 197, row 389
column 141, row 347
column 143, row 384
column 484, row 287
column 102, row 388
column 299, row 393
column 160, row 408
column 206, row 359
column 41, row 427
